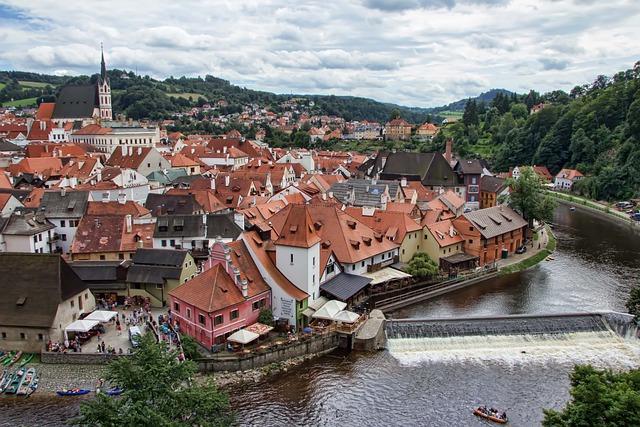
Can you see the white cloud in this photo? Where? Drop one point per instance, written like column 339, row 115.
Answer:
column 413, row 52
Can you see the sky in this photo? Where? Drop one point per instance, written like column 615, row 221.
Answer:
column 421, row 53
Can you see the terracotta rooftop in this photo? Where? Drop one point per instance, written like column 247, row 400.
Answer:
column 209, row 291
column 445, row 233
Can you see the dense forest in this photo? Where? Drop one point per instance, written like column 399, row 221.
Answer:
column 595, row 128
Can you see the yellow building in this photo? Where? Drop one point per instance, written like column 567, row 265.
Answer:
column 441, row 239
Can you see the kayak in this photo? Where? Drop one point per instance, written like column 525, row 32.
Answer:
column 5, row 380
column 114, row 391
column 26, row 382
column 7, row 358
column 73, row 392
column 15, row 358
column 26, row 359
column 34, row 386
column 486, row 416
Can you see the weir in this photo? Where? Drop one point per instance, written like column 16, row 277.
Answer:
column 538, row 324
column 596, row 338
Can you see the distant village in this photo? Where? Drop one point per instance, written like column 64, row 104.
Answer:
column 217, row 229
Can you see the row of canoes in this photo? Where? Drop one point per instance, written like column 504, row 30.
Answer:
column 8, row 359
column 23, row 382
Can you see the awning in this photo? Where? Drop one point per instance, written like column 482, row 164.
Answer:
column 458, row 258
column 308, row 312
column 347, row 316
column 385, row 275
column 259, row 328
column 101, row 316
column 344, row 285
column 81, row 325
column 243, row 336
column 329, row 310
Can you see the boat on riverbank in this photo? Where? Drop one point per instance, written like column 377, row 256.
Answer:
column 5, row 379
column 33, row 386
column 73, row 392
column 23, row 389
column 14, row 359
column 16, row 381
column 7, row 357
column 26, row 359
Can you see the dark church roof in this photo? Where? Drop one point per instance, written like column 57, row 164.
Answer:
column 76, row 102
column 430, row 168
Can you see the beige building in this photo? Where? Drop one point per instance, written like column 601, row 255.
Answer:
column 441, row 239
column 43, row 296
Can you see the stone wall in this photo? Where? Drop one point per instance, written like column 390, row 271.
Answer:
column 78, row 358
column 235, row 362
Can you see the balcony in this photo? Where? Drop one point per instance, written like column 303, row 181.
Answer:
column 379, row 266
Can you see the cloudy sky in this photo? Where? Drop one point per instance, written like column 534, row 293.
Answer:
column 411, row 52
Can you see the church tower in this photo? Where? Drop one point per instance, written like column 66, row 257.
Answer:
column 104, row 91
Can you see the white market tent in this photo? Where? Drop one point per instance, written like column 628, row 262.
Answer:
column 80, row 326
column 329, row 310
column 101, row 316
column 243, row 336
column 347, row 317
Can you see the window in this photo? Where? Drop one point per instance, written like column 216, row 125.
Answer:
column 313, row 261
column 474, row 180
column 159, row 286
column 63, row 223
column 257, row 305
column 330, row 268
column 172, row 242
column 40, row 237
column 218, row 320
column 72, row 303
column 291, row 259
column 188, row 313
column 163, row 243
column 4, row 335
column 362, row 265
column 353, row 267
column 23, row 336
column 176, row 307
column 102, row 257
column 470, row 241
column 63, row 237
column 148, row 165
column 235, row 314
column 86, row 296
column 35, row 239
column 313, row 281
column 120, row 256
column 40, row 337
column 201, row 319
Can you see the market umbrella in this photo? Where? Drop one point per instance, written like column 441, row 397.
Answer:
column 102, row 316
column 243, row 336
column 347, row 316
column 329, row 310
column 80, row 326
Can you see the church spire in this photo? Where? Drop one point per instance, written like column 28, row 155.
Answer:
column 103, row 66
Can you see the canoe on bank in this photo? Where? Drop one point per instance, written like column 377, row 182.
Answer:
column 486, row 416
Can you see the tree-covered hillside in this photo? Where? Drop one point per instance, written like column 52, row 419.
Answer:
column 595, row 129
column 143, row 97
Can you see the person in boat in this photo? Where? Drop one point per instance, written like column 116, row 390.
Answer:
column 503, row 415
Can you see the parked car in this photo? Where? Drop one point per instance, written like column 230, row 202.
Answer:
column 636, row 216
column 522, row 249
column 134, row 335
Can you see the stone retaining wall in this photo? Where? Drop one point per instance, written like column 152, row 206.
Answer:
column 78, row 358
column 233, row 362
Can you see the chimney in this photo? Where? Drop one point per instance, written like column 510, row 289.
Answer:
column 128, row 223
column 139, row 151
column 448, row 150
column 130, row 150
column 124, row 150
column 227, row 180
column 99, row 175
column 451, row 231
column 122, row 198
column 224, row 149
column 403, row 182
column 63, row 192
column 213, row 183
column 245, row 288
column 331, row 194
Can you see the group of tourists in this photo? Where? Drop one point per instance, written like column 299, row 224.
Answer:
column 67, row 346
column 492, row 412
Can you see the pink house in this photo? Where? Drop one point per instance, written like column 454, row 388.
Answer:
column 227, row 296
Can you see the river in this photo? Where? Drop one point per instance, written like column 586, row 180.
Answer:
column 596, row 263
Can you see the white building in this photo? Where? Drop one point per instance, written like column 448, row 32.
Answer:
column 114, row 134
column 28, row 232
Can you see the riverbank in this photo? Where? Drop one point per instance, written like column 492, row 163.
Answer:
column 535, row 257
column 592, row 205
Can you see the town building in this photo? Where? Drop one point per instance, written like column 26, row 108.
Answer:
column 64, row 209
column 491, row 234
column 492, row 189
column 28, row 232
column 154, row 273
column 397, row 130
column 566, row 178
column 42, row 297
column 111, row 135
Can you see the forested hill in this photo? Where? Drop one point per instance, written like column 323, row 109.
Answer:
column 144, row 97
column 595, row 129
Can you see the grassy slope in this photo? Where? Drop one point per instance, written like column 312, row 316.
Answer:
column 194, row 96
column 20, row 102
column 27, row 83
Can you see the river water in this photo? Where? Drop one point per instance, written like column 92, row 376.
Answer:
column 427, row 383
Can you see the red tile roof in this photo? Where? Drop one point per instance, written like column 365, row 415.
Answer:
column 128, row 161
column 394, row 225
column 445, row 233
column 107, row 233
column 118, row 209
column 209, row 291
column 45, row 111
column 298, row 229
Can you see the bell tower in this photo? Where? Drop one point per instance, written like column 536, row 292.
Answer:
column 104, row 91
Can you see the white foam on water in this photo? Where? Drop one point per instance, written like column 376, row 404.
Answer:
column 604, row 349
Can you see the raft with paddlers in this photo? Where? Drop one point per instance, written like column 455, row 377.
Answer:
column 73, row 392
column 491, row 414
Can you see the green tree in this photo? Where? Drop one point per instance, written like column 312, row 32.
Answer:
column 266, row 316
column 527, row 197
column 158, row 391
column 470, row 115
column 395, row 114
column 599, row 398
column 190, row 347
column 422, row 266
